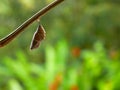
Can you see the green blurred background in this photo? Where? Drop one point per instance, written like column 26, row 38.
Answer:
column 81, row 50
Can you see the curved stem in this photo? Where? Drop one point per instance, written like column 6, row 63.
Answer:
column 22, row 27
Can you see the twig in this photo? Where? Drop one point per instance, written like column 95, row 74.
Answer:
column 22, row 27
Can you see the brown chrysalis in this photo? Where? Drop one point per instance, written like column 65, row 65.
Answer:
column 38, row 36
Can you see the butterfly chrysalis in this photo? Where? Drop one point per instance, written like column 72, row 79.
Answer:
column 38, row 36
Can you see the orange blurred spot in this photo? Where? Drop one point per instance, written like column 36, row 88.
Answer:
column 53, row 86
column 76, row 51
column 74, row 87
column 113, row 54
column 56, row 83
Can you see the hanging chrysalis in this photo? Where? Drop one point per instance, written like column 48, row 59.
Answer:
column 38, row 36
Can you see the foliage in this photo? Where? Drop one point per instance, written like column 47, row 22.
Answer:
column 92, row 69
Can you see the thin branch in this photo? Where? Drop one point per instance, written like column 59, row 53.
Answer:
column 22, row 27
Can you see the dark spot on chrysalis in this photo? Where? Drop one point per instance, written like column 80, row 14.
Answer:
column 38, row 36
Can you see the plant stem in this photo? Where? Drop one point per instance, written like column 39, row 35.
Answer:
column 22, row 27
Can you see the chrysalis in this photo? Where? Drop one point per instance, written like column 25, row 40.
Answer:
column 38, row 36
